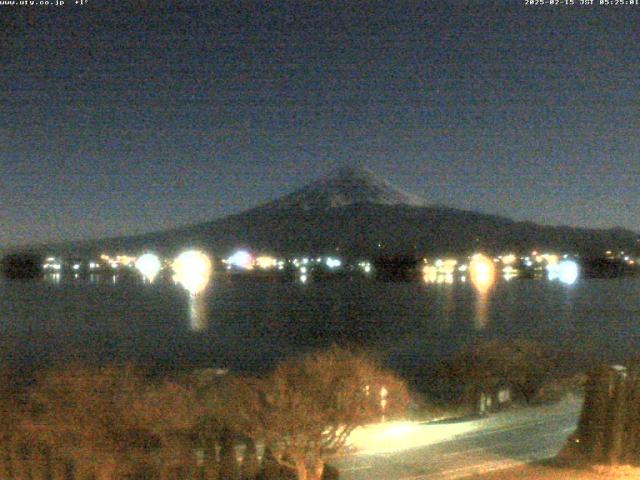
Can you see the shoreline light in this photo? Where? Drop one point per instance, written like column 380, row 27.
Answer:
column 192, row 270
column 566, row 271
column 241, row 259
column 482, row 272
column 148, row 265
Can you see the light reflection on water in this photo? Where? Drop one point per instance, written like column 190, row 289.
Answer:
column 483, row 277
column 258, row 321
column 53, row 278
column 197, row 312
column 481, row 320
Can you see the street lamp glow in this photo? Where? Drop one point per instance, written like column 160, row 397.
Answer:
column 192, row 270
column 482, row 272
column 566, row 272
column 241, row 259
column 333, row 262
column 148, row 265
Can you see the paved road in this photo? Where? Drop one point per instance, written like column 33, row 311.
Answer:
column 415, row 451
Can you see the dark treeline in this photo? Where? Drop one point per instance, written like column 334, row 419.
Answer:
column 21, row 265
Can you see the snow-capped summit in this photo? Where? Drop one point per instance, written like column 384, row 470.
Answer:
column 348, row 185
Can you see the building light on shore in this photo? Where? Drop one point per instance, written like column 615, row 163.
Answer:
column 365, row 266
column 241, row 259
column 148, row 265
column 265, row 262
column 52, row 264
column 333, row 262
column 192, row 269
column 430, row 273
column 566, row 272
column 509, row 259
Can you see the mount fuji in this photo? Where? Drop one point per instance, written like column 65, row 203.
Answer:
column 347, row 186
column 356, row 213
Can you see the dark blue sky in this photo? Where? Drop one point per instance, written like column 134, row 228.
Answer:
column 120, row 119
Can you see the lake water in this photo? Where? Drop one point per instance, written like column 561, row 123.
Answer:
column 247, row 324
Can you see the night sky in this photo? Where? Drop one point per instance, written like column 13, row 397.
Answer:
column 120, row 118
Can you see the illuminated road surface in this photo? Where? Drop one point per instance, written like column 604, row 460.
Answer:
column 455, row 450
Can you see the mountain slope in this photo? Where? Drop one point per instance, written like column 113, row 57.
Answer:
column 348, row 186
column 354, row 212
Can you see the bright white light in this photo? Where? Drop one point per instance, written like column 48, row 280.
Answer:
column 148, row 265
column 396, row 436
column 76, row 266
column 303, row 269
column 303, row 278
column 241, row 259
column 566, row 272
column 192, row 270
column 333, row 262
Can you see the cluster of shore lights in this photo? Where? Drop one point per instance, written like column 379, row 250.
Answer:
column 441, row 271
column 192, row 269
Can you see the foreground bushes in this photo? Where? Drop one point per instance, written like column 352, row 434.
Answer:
column 117, row 423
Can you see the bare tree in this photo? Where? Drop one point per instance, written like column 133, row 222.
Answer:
column 311, row 405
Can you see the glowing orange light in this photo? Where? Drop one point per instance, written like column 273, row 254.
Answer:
column 192, row 270
column 266, row 262
column 509, row 259
column 430, row 274
column 482, row 272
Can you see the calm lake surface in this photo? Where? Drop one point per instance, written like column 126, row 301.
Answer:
column 247, row 324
